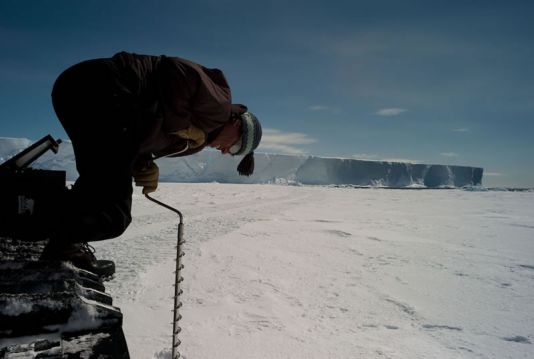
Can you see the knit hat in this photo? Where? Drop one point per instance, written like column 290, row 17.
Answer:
column 250, row 139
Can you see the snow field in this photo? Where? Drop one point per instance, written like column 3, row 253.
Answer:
column 316, row 272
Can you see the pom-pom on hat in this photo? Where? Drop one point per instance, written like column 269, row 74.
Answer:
column 250, row 139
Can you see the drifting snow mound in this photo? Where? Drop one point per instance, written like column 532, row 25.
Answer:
column 210, row 166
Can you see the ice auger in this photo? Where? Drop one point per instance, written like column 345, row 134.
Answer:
column 177, row 279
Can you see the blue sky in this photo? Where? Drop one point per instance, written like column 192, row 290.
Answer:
column 447, row 82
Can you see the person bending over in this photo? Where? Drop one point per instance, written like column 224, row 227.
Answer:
column 122, row 113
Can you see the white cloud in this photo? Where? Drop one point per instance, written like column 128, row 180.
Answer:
column 376, row 157
column 460, row 130
column 284, row 142
column 318, row 108
column 365, row 156
column 389, row 112
column 493, row 174
column 407, row 160
column 449, row 154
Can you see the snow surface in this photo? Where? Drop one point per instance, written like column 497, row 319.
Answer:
column 211, row 166
column 317, row 272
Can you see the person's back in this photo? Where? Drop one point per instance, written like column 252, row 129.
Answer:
column 123, row 112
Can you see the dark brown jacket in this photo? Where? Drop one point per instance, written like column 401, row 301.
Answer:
column 119, row 113
column 172, row 94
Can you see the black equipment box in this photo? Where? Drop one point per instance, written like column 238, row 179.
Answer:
column 30, row 199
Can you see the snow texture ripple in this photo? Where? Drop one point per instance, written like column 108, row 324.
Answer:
column 316, row 272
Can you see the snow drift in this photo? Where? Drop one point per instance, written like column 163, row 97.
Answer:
column 210, row 166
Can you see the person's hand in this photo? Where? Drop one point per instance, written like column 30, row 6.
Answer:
column 146, row 176
column 194, row 136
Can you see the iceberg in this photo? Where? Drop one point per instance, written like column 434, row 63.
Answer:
column 211, row 166
column 11, row 146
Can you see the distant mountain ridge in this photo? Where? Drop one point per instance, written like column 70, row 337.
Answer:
column 210, row 166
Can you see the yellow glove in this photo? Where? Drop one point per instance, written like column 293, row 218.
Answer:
column 147, row 177
column 194, row 136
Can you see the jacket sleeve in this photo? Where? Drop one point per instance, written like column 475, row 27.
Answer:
column 192, row 95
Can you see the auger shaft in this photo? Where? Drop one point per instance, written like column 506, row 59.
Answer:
column 177, row 279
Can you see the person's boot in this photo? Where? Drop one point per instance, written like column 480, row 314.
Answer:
column 81, row 255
